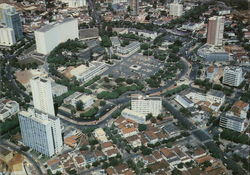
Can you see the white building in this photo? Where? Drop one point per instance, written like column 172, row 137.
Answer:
column 232, row 76
column 85, row 73
column 41, row 132
column 129, row 49
column 100, row 135
column 42, row 95
column 75, row 3
column 87, row 100
column 49, row 36
column 8, row 108
column 236, row 118
column 7, row 36
column 146, row 104
column 119, row 1
column 184, row 101
column 176, row 9
column 137, row 117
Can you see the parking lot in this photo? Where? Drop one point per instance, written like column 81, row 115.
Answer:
column 136, row 66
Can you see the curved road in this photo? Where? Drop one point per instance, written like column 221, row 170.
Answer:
column 17, row 149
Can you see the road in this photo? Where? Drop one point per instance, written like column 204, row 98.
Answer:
column 16, row 148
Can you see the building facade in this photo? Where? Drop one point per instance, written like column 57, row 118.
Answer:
column 232, row 76
column 11, row 19
column 41, row 131
column 134, row 6
column 137, row 117
column 7, row 36
column 215, row 30
column 232, row 122
column 146, row 105
column 42, row 95
column 49, row 36
column 176, row 9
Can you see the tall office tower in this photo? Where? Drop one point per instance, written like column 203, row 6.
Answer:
column 41, row 131
column 232, row 76
column 176, row 9
column 146, row 105
column 7, row 36
column 215, row 30
column 11, row 19
column 134, row 6
column 49, row 36
column 42, row 95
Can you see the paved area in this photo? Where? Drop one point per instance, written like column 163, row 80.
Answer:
column 136, row 66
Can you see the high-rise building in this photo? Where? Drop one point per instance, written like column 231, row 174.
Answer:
column 232, row 76
column 11, row 19
column 7, row 36
column 134, row 6
column 146, row 104
column 215, row 30
column 176, row 9
column 41, row 131
column 42, row 95
column 49, row 36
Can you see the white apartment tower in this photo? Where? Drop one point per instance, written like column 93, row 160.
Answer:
column 146, row 104
column 7, row 36
column 42, row 95
column 41, row 131
column 215, row 30
column 49, row 36
column 176, row 9
column 232, row 76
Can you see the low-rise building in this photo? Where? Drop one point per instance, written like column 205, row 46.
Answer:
column 137, row 117
column 100, row 135
column 129, row 49
column 8, row 108
column 85, row 73
column 236, row 118
column 73, row 99
column 146, row 104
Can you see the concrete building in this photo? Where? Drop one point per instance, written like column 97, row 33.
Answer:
column 129, row 49
column 8, row 108
column 85, row 73
column 49, row 36
column 137, row 117
column 11, row 19
column 233, row 122
column 41, row 131
column 146, row 104
column 75, row 3
column 211, row 72
column 134, row 6
column 100, row 135
column 176, row 9
column 236, row 118
column 73, row 99
column 42, row 95
column 215, row 30
column 232, row 76
column 7, row 36
column 212, row 53
column 119, row 1
column 184, row 101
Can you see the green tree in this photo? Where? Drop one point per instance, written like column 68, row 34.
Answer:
column 142, row 127
column 79, row 105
